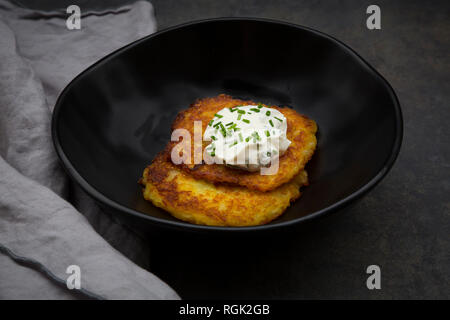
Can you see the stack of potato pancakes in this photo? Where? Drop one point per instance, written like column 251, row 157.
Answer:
column 219, row 195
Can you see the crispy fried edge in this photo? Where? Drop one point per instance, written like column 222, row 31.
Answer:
column 161, row 188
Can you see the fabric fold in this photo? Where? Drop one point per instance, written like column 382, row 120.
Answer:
column 41, row 233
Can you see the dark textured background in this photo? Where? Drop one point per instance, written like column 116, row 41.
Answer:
column 403, row 225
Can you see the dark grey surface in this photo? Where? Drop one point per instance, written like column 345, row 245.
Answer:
column 403, row 225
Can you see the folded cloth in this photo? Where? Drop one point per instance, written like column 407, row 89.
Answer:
column 41, row 233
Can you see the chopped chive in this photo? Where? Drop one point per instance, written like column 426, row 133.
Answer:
column 241, row 111
column 218, row 116
column 278, row 119
column 239, row 116
column 256, row 135
column 240, row 137
column 210, row 123
column 268, row 113
column 254, row 109
column 246, row 121
column 213, row 137
column 271, row 123
column 232, row 110
column 234, row 143
column 229, row 123
column 269, row 154
column 247, row 139
column 267, row 133
column 260, row 105
column 223, row 131
column 213, row 154
column 217, row 124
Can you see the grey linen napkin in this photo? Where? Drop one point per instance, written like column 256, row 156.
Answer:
column 41, row 233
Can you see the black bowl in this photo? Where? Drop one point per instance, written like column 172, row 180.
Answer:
column 112, row 119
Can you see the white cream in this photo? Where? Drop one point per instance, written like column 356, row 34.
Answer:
column 247, row 137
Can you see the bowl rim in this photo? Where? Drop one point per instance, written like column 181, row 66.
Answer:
column 98, row 196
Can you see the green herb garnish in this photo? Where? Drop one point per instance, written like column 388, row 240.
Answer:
column 254, row 109
column 218, row 116
column 271, row 123
column 256, row 135
column 224, row 132
column 278, row 119
column 268, row 113
column 267, row 133
column 246, row 121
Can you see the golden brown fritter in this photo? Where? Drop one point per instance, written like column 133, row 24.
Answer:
column 201, row 202
column 300, row 131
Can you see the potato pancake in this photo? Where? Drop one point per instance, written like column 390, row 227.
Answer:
column 300, row 131
column 201, row 202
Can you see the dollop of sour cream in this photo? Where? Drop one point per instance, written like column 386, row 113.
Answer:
column 247, row 137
